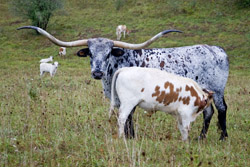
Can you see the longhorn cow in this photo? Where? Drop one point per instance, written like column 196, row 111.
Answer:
column 207, row 65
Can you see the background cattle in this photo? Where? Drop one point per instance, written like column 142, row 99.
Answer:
column 48, row 67
column 121, row 29
column 46, row 60
column 62, row 51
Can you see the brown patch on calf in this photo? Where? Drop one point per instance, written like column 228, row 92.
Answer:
column 157, row 91
column 142, row 90
column 61, row 49
column 166, row 98
column 185, row 100
column 203, row 104
column 194, row 94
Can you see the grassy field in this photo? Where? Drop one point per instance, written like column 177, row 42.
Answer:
column 63, row 121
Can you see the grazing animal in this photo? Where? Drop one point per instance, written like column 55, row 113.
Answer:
column 207, row 65
column 46, row 60
column 62, row 51
column 48, row 67
column 121, row 29
column 157, row 90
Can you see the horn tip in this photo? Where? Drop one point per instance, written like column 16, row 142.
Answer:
column 28, row 27
column 168, row 31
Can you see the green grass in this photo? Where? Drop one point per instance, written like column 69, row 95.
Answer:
column 64, row 120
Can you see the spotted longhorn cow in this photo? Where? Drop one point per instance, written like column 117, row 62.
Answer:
column 207, row 65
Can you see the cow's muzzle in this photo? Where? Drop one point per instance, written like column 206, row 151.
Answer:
column 97, row 74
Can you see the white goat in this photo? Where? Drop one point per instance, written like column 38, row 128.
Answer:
column 121, row 29
column 48, row 67
column 62, row 51
column 46, row 60
column 153, row 90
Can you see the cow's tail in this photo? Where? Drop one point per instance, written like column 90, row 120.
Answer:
column 114, row 97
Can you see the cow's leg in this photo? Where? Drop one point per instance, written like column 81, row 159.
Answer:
column 207, row 115
column 221, row 106
column 124, row 112
column 129, row 126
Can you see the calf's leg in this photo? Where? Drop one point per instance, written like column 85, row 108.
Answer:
column 184, row 127
column 41, row 73
column 129, row 126
column 124, row 112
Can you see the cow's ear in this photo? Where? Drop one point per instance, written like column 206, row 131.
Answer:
column 83, row 52
column 117, row 52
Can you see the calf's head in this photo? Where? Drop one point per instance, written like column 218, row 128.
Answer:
column 207, row 99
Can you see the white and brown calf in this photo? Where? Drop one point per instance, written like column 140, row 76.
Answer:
column 121, row 29
column 156, row 90
column 62, row 51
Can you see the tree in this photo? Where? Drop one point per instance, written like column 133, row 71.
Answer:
column 38, row 11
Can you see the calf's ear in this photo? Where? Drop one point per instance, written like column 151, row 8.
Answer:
column 209, row 92
column 83, row 52
column 117, row 52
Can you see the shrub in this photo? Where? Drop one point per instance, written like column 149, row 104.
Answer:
column 119, row 4
column 38, row 11
column 243, row 3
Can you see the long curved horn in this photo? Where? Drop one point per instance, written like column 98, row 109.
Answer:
column 144, row 44
column 56, row 41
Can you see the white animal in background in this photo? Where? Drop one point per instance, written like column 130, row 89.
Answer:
column 62, row 51
column 46, row 60
column 48, row 67
column 156, row 90
column 121, row 29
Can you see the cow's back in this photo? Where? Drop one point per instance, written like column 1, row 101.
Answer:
column 207, row 65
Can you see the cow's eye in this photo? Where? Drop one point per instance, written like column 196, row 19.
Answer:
column 117, row 52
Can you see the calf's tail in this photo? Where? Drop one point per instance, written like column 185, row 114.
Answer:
column 114, row 95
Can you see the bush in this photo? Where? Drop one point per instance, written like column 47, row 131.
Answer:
column 119, row 4
column 243, row 3
column 38, row 11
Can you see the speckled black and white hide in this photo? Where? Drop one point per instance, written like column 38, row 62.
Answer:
column 207, row 65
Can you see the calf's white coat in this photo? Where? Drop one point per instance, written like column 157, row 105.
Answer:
column 46, row 60
column 153, row 90
column 48, row 67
